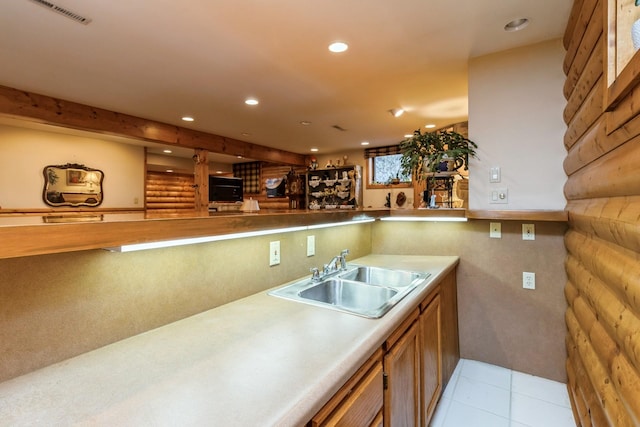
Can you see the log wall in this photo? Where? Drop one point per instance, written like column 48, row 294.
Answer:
column 603, row 240
column 169, row 192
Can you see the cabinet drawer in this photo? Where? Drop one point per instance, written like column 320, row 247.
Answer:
column 360, row 402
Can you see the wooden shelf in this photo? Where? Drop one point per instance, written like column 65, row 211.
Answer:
column 27, row 235
column 32, row 235
column 421, row 213
column 520, row 215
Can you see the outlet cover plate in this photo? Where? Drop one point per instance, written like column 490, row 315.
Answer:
column 495, row 230
column 528, row 280
column 274, row 253
column 528, row 232
column 311, row 245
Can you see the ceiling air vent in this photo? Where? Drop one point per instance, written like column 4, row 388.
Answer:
column 340, row 128
column 62, row 11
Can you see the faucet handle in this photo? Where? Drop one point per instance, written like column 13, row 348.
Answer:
column 343, row 259
column 315, row 273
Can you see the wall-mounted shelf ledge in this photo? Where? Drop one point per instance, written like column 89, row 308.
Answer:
column 27, row 235
column 520, row 215
column 33, row 235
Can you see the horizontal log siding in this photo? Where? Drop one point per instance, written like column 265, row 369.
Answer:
column 169, row 192
column 603, row 240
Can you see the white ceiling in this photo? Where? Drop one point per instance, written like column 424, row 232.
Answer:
column 161, row 59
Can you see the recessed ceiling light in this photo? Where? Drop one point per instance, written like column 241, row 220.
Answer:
column 408, row 135
column 338, row 47
column 239, row 157
column 430, row 126
column 187, row 118
column 167, row 151
column 364, row 143
column 305, row 123
column 218, row 171
column 516, row 24
column 245, row 134
column 251, row 101
column 314, row 150
column 396, row 112
column 169, row 170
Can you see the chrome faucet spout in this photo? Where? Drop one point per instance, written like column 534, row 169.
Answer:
column 337, row 263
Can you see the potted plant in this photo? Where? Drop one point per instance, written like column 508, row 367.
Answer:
column 426, row 154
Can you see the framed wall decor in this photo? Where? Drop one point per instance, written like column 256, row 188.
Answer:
column 622, row 60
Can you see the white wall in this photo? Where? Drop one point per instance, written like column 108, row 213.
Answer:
column 515, row 117
column 25, row 153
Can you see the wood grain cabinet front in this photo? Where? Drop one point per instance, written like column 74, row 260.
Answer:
column 401, row 384
column 359, row 402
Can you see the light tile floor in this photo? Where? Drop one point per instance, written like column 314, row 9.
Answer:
column 483, row 395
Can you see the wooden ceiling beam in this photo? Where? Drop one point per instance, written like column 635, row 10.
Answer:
column 44, row 109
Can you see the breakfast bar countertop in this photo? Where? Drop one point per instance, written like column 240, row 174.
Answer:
column 257, row 361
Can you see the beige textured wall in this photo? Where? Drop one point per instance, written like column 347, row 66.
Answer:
column 57, row 306
column 500, row 322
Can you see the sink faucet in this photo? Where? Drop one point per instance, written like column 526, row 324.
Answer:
column 337, row 263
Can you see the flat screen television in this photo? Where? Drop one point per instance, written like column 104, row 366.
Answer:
column 225, row 189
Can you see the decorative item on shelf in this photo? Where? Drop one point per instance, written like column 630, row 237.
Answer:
column 428, row 154
column 250, row 205
column 635, row 31
column 313, row 163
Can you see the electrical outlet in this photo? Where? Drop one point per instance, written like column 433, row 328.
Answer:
column 274, row 253
column 528, row 280
column 528, row 232
column 495, row 230
column 311, row 245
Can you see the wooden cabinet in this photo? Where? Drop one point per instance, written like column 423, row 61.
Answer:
column 401, row 384
column 359, row 402
column 431, row 358
column 413, row 366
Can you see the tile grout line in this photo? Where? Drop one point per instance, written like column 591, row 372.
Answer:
column 510, row 397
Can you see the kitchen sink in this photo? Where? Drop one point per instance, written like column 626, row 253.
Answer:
column 383, row 276
column 361, row 290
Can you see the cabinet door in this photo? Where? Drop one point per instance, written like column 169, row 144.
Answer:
column 431, row 345
column 402, row 394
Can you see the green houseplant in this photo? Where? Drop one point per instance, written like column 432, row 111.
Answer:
column 426, row 154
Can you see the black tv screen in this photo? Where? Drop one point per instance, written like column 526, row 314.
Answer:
column 225, row 189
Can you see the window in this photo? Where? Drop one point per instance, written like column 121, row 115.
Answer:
column 384, row 166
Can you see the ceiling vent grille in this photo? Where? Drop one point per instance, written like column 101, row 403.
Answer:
column 62, row 11
column 340, row 128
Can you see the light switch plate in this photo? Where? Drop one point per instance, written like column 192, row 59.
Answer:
column 499, row 195
column 495, row 230
column 494, row 175
column 274, row 253
column 311, row 245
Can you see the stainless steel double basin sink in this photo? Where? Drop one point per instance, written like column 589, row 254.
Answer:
column 361, row 290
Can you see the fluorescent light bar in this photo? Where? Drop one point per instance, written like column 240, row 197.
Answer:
column 204, row 239
column 338, row 224
column 425, row 218
column 217, row 238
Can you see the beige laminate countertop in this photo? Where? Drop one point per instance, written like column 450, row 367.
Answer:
column 258, row 361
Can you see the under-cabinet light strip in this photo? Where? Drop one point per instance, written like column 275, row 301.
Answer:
column 217, row 238
column 425, row 218
column 338, row 224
